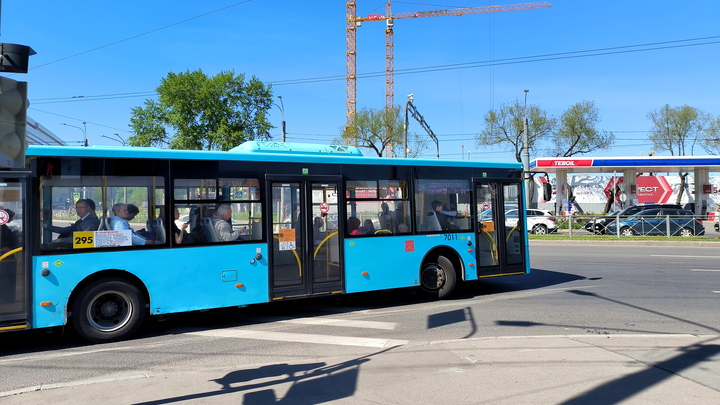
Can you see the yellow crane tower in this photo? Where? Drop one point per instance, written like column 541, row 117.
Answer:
column 353, row 22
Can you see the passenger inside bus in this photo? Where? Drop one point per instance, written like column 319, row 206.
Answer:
column 119, row 222
column 221, row 220
column 368, row 228
column 85, row 209
column 178, row 233
column 133, row 210
column 444, row 215
column 353, row 226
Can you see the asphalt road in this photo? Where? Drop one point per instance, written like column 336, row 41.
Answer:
column 587, row 291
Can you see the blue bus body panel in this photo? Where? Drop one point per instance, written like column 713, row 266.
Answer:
column 250, row 155
column 394, row 261
column 177, row 280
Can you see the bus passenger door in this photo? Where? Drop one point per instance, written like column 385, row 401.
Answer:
column 305, row 240
column 500, row 231
column 13, row 277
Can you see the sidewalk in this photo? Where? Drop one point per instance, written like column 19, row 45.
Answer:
column 580, row 369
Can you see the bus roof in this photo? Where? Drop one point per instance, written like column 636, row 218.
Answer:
column 254, row 151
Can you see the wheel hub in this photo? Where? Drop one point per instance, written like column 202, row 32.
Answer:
column 108, row 309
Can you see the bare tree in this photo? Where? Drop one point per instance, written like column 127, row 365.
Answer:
column 577, row 132
column 380, row 130
column 504, row 127
column 677, row 130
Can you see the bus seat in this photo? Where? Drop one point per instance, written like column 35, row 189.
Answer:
column 159, row 228
column 431, row 222
column 104, row 224
column 209, row 230
column 193, row 218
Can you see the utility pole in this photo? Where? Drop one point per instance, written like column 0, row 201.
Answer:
column 526, row 155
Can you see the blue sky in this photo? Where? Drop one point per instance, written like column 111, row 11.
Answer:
column 114, row 54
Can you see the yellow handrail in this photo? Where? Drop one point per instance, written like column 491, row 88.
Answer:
column 296, row 256
column 317, row 249
column 12, row 252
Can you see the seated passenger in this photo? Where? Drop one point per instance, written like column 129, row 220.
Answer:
column 444, row 216
column 369, row 227
column 353, row 225
column 178, row 233
column 403, row 228
column 223, row 227
column 133, row 210
column 85, row 209
column 118, row 222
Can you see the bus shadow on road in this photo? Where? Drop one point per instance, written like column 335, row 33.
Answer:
column 538, row 278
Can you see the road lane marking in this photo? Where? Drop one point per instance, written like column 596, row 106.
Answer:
column 694, row 256
column 704, row 270
column 300, row 338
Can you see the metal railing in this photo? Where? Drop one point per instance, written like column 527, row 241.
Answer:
column 666, row 225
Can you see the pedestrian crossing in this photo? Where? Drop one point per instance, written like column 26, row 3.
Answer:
column 322, row 339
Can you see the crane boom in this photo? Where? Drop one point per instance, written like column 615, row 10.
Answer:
column 353, row 22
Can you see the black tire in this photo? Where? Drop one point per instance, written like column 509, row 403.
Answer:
column 108, row 310
column 437, row 280
column 685, row 232
column 627, row 231
column 540, row 230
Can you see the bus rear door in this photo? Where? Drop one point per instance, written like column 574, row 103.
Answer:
column 500, row 232
column 13, row 266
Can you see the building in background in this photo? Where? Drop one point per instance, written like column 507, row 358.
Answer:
column 37, row 134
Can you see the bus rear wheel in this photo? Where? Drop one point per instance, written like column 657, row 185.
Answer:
column 437, row 280
column 108, row 310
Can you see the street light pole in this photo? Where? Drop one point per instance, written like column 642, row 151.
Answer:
column 83, row 129
column 405, row 125
column 119, row 139
column 526, row 154
column 282, row 117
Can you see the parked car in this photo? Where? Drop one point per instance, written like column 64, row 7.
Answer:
column 597, row 225
column 655, row 222
column 540, row 222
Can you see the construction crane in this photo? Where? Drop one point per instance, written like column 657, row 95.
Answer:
column 353, row 22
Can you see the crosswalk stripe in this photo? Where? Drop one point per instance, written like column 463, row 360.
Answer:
column 300, row 338
column 342, row 322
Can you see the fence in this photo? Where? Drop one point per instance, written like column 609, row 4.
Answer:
column 656, row 225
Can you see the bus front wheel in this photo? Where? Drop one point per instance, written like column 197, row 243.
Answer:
column 108, row 310
column 437, row 280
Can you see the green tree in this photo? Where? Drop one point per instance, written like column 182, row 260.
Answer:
column 505, row 126
column 577, row 132
column 677, row 130
column 195, row 111
column 379, row 130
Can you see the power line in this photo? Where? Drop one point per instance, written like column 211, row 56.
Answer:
column 143, row 34
column 517, row 60
column 467, row 65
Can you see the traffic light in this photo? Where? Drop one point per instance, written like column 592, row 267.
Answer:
column 14, row 58
column 13, row 123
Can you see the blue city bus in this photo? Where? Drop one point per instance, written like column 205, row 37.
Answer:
column 263, row 222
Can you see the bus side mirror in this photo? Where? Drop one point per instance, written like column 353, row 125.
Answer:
column 547, row 191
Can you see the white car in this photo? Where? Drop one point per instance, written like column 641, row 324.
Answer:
column 540, row 222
